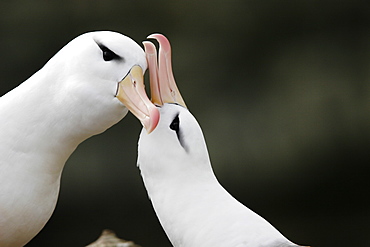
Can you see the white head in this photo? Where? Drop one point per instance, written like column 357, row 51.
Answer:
column 175, row 148
column 101, row 73
column 177, row 144
column 103, row 54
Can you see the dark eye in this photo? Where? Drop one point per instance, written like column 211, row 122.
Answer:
column 175, row 125
column 108, row 55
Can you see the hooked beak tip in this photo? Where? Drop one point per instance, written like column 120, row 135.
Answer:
column 151, row 122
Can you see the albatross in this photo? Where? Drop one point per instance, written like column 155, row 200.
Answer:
column 191, row 205
column 84, row 89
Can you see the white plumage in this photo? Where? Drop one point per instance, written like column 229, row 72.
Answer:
column 193, row 208
column 80, row 92
column 191, row 205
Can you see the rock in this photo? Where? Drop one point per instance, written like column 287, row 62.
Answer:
column 109, row 239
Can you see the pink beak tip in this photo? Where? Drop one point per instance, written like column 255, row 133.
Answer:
column 156, row 36
column 149, row 47
column 164, row 43
column 153, row 120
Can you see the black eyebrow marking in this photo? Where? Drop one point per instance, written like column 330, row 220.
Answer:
column 175, row 125
column 108, row 54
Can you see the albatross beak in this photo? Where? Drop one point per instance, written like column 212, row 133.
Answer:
column 163, row 87
column 132, row 94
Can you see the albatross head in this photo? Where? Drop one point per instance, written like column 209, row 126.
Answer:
column 177, row 144
column 102, row 72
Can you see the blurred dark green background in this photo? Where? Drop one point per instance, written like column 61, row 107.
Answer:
column 280, row 88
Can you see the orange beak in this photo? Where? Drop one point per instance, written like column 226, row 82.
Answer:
column 132, row 94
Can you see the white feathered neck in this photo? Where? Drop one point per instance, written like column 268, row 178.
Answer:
column 44, row 119
column 192, row 207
